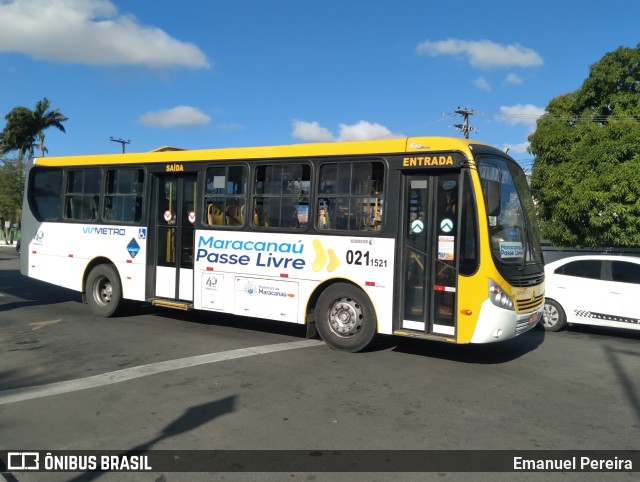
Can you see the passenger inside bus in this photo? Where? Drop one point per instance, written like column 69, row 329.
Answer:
column 235, row 215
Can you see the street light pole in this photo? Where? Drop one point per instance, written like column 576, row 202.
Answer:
column 121, row 141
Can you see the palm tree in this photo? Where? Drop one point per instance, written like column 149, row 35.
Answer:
column 25, row 128
column 17, row 134
column 46, row 118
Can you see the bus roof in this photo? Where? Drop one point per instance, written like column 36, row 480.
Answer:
column 168, row 154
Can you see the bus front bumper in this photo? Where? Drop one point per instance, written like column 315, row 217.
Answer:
column 497, row 324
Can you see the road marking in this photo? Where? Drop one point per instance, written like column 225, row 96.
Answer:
column 29, row 393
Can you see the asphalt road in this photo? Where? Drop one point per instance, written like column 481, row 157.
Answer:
column 166, row 380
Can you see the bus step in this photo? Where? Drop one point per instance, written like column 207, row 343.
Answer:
column 176, row 305
column 422, row 335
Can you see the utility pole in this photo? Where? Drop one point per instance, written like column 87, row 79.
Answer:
column 465, row 127
column 121, row 141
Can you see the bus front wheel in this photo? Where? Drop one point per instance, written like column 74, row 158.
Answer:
column 103, row 291
column 345, row 318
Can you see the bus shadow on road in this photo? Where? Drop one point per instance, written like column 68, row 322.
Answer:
column 491, row 353
column 31, row 292
column 231, row 321
column 485, row 354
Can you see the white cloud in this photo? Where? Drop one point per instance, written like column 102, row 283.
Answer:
column 483, row 54
column 517, row 148
column 90, row 32
column 364, row 130
column 482, row 84
column 181, row 116
column 361, row 131
column 311, row 131
column 514, row 79
column 520, row 114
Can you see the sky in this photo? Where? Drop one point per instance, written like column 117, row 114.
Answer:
column 200, row 74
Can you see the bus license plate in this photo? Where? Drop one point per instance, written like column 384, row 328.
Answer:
column 533, row 319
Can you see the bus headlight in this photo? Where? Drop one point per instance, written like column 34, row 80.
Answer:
column 498, row 297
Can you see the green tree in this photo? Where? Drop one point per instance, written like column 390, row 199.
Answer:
column 24, row 130
column 11, row 190
column 586, row 173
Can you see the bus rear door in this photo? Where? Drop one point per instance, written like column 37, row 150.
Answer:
column 175, row 215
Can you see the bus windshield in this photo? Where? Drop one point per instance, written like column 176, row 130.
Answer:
column 513, row 227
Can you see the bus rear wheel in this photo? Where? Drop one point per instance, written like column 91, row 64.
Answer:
column 103, row 291
column 345, row 318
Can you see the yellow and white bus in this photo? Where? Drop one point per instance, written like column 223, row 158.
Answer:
column 426, row 237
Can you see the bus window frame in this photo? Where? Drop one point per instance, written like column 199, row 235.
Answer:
column 72, row 194
column 317, row 195
column 467, row 184
column 30, row 196
column 253, row 194
column 204, row 196
column 144, row 195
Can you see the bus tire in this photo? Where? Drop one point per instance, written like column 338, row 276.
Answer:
column 103, row 291
column 554, row 317
column 345, row 318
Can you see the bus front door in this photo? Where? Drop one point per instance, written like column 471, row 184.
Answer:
column 174, row 231
column 430, row 264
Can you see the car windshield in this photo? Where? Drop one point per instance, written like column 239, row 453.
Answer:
column 513, row 227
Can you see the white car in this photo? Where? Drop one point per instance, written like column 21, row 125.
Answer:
column 599, row 290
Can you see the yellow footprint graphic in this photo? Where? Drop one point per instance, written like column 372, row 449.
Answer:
column 321, row 256
column 334, row 262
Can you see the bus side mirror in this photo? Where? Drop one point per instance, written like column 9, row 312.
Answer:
column 493, row 198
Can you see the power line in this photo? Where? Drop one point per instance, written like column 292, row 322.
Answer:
column 573, row 117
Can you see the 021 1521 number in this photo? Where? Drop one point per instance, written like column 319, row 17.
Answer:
column 360, row 258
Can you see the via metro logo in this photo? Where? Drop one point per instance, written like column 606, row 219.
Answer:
column 324, row 258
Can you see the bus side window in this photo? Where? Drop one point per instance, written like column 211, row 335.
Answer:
column 44, row 193
column 123, row 196
column 82, row 194
column 289, row 216
column 469, row 257
column 281, row 195
column 225, row 196
column 138, row 209
column 352, row 196
column 95, row 203
column 108, row 209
